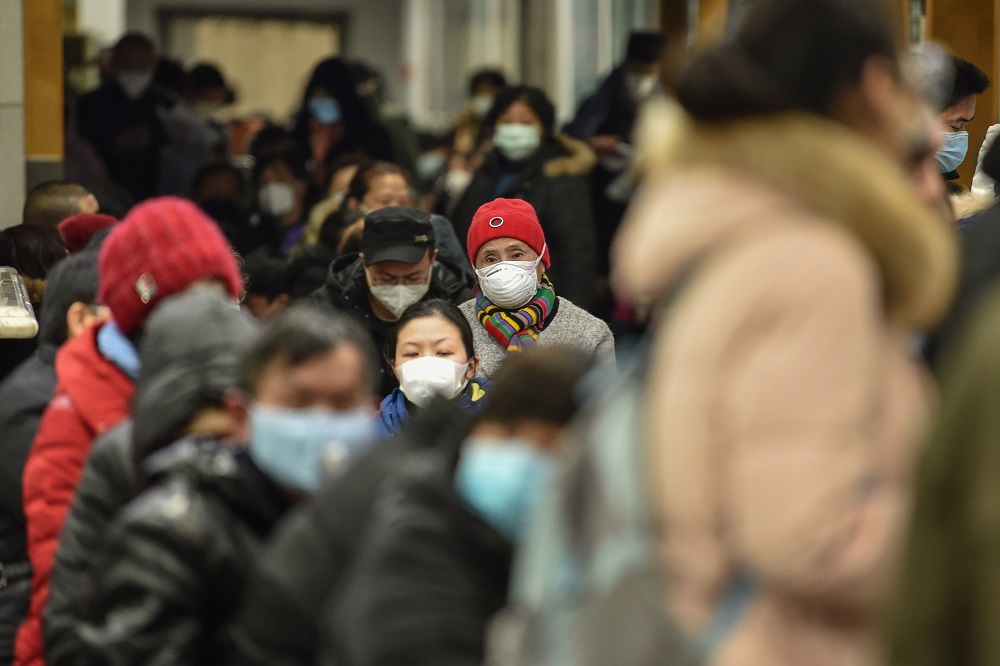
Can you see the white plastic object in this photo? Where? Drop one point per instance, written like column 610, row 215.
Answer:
column 17, row 317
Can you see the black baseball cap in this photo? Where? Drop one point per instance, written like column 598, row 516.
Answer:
column 397, row 233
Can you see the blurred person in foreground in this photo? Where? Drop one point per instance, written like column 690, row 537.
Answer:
column 432, row 354
column 163, row 247
column 304, row 404
column 516, row 307
column 52, row 202
column 435, row 564
column 72, row 308
column 190, row 355
column 530, row 161
column 397, row 267
column 785, row 405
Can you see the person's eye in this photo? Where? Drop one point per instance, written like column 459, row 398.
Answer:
column 491, row 260
column 446, row 353
column 410, row 355
column 517, row 255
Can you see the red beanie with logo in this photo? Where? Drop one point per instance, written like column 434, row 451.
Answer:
column 506, row 218
column 160, row 249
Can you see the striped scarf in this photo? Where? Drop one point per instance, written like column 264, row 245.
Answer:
column 516, row 330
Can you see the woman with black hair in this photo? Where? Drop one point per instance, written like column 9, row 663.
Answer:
column 530, row 161
column 333, row 121
column 431, row 352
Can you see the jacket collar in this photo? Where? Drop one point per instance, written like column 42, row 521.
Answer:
column 776, row 164
column 100, row 391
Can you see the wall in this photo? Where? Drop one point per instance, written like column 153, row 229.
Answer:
column 12, row 173
column 373, row 28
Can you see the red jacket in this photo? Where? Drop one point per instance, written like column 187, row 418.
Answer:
column 92, row 396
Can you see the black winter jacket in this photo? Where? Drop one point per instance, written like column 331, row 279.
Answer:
column 176, row 557
column 428, row 580
column 347, row 290
column 24, row 394
column 554, row 181
column 305, row 565
column 107, row 485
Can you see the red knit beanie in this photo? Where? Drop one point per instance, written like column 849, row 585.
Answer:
column 506, row 218
column 79, row 229
column 160, row 249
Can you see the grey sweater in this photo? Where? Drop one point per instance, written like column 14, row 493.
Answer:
column 572, row 327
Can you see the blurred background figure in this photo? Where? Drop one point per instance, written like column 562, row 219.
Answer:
column 52, row 202
column 530, row 161
column 267, row 286
column 960, row 109
column 785, row 405
column 196, row 134
column 220, row 190
column 121, row 119
column 606, row 121
column 283, row 198
column 333, row 121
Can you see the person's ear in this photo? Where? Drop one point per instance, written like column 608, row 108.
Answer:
column 301, row 187
column 89, row 204
column 434, row 256
column 353, row 203
column 236, row 405
column 77, row 318
column 470, row 374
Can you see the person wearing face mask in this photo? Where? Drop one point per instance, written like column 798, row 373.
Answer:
column 959, row 110
column 432, row 354
column 334, row 120
column 435, row 563
column 606, row 121
column 121, row 119
column 467, row 130
column 516, row 306
column 397, row 267
column 528, row 161
column 283, row 198
column 303, row 408
column 197, row 136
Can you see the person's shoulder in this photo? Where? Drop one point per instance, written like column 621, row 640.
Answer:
column 468, row 308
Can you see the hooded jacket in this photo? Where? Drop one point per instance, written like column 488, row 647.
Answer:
column 175, row 558
column 394, row 412
column 92, row 396
column 786, row 406
column 554, row 181
column 306, row 563
column 346, row 289
column 429, row 578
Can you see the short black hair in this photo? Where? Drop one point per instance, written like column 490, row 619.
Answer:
column 290, row 154
column 969, row 80
column 134, row 40
column 434, row 307
column 267, row 275
column 72, row 280
column 369, row 171
column 644, row 47
column 300, row 334
column 489, row 76
column 213, row 169
column 52, row 202
column 535, row 98
column 542, row 385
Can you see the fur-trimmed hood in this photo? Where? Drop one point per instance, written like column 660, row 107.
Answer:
column 579, row 159
column 708, row 182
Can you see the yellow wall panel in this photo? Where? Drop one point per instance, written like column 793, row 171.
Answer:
column 43, row 79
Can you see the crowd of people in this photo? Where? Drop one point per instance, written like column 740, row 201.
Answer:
column 657, row 386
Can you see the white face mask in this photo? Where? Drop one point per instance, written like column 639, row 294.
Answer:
column 510, row 284
column 481, row 104
column 276, row 199
column 135, row 82
column 641, row 86
column 517, row 141
column 397, row 297
column 456, row 182
column 423, row 378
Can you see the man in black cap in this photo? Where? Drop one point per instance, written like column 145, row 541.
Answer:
column 396, row 268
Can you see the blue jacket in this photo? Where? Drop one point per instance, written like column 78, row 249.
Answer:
column 393, row 412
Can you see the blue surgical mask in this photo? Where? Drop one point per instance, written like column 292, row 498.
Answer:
column 295, row 446
column 954, row 150
column 325, row 109
column 517, row 141
column 502, row 480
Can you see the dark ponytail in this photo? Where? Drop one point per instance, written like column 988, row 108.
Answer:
column 787, row 55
